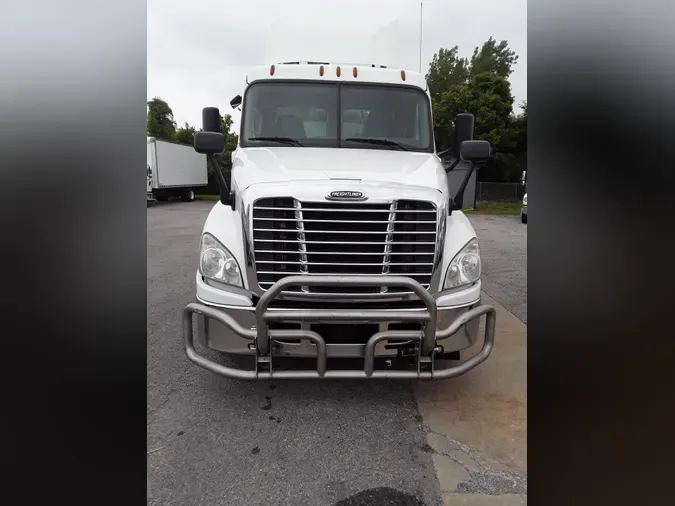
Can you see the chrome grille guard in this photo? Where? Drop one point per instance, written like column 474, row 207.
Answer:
column 261, row 336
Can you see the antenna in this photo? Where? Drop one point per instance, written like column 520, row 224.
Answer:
column 420, row 37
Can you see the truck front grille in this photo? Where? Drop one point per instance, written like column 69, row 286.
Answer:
column 353, row 239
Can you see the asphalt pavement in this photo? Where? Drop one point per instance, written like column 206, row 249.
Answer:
column 503, row 244
column 214, row 441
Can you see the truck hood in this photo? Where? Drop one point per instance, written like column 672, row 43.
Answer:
column 286, row 164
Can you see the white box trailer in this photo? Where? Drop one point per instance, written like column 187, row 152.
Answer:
column 174, row 170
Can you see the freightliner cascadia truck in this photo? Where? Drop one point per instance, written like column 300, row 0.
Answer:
column 337, row 248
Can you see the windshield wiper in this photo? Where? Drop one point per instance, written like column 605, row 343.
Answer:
column 382, row 142
column 281, row 140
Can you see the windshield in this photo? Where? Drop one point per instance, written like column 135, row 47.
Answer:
column 315, row 114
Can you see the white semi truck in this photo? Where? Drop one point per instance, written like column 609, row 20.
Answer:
column 336, row 241
column 174, row 170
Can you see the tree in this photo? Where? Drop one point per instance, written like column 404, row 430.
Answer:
column 185, row 135
column 161, row 124
column 446, row 70
column 493, row 58
column 488, row 97
column 480, row 86
column 231, row 141
column 225, row 124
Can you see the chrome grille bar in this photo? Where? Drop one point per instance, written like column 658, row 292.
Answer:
column 303, row 263
column 302, row 247
column 342, row 242
column 334, row 273
column 387, row 244
column 347, row 210
column 353, row 253
column 333, row 231
column 340, row 221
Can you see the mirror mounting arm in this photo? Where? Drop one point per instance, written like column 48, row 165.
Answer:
column 453, row 165
column 225, row 193
column 457, row 202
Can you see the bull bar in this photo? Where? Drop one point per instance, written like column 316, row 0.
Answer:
column 425, row 341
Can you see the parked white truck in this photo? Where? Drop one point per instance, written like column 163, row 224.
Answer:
column 174, row 170
column 336, row 236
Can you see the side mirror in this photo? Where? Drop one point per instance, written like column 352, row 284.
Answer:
column 475, row 151
column 462, row 132
column 209, row 143
column 210, row 140
column 235, row 102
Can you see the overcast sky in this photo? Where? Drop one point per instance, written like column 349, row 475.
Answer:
column 199, row 51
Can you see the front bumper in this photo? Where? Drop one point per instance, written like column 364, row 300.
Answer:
column 523, row 210
column 249, row 327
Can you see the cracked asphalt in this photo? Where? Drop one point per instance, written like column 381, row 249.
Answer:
column 217, row 441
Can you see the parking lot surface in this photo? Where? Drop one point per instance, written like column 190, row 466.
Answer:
column 217, row 441
column 503, row 243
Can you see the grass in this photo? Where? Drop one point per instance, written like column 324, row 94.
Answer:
column 508, row 207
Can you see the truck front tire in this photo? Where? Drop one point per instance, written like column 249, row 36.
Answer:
column 188, row 195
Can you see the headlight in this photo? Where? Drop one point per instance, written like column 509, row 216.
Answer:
column 525, row 200
column 465, row 267
column 217, row 263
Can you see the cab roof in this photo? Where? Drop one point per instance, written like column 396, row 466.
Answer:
column 340, row 72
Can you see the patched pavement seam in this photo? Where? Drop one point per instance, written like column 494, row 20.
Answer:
column 484, row 477
column 462, row 470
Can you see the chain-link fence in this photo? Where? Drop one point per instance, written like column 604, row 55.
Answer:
column 499, row 191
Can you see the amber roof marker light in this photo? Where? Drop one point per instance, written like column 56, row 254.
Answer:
column 403, row 74
column 271, row 70
column 355, row 72
column 337, row 71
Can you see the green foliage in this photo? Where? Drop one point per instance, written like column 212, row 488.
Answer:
column 480, row 86
column 446, row 70
column 160, row 123
column 185, row 135
column 225, row 124
column 493, row 58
